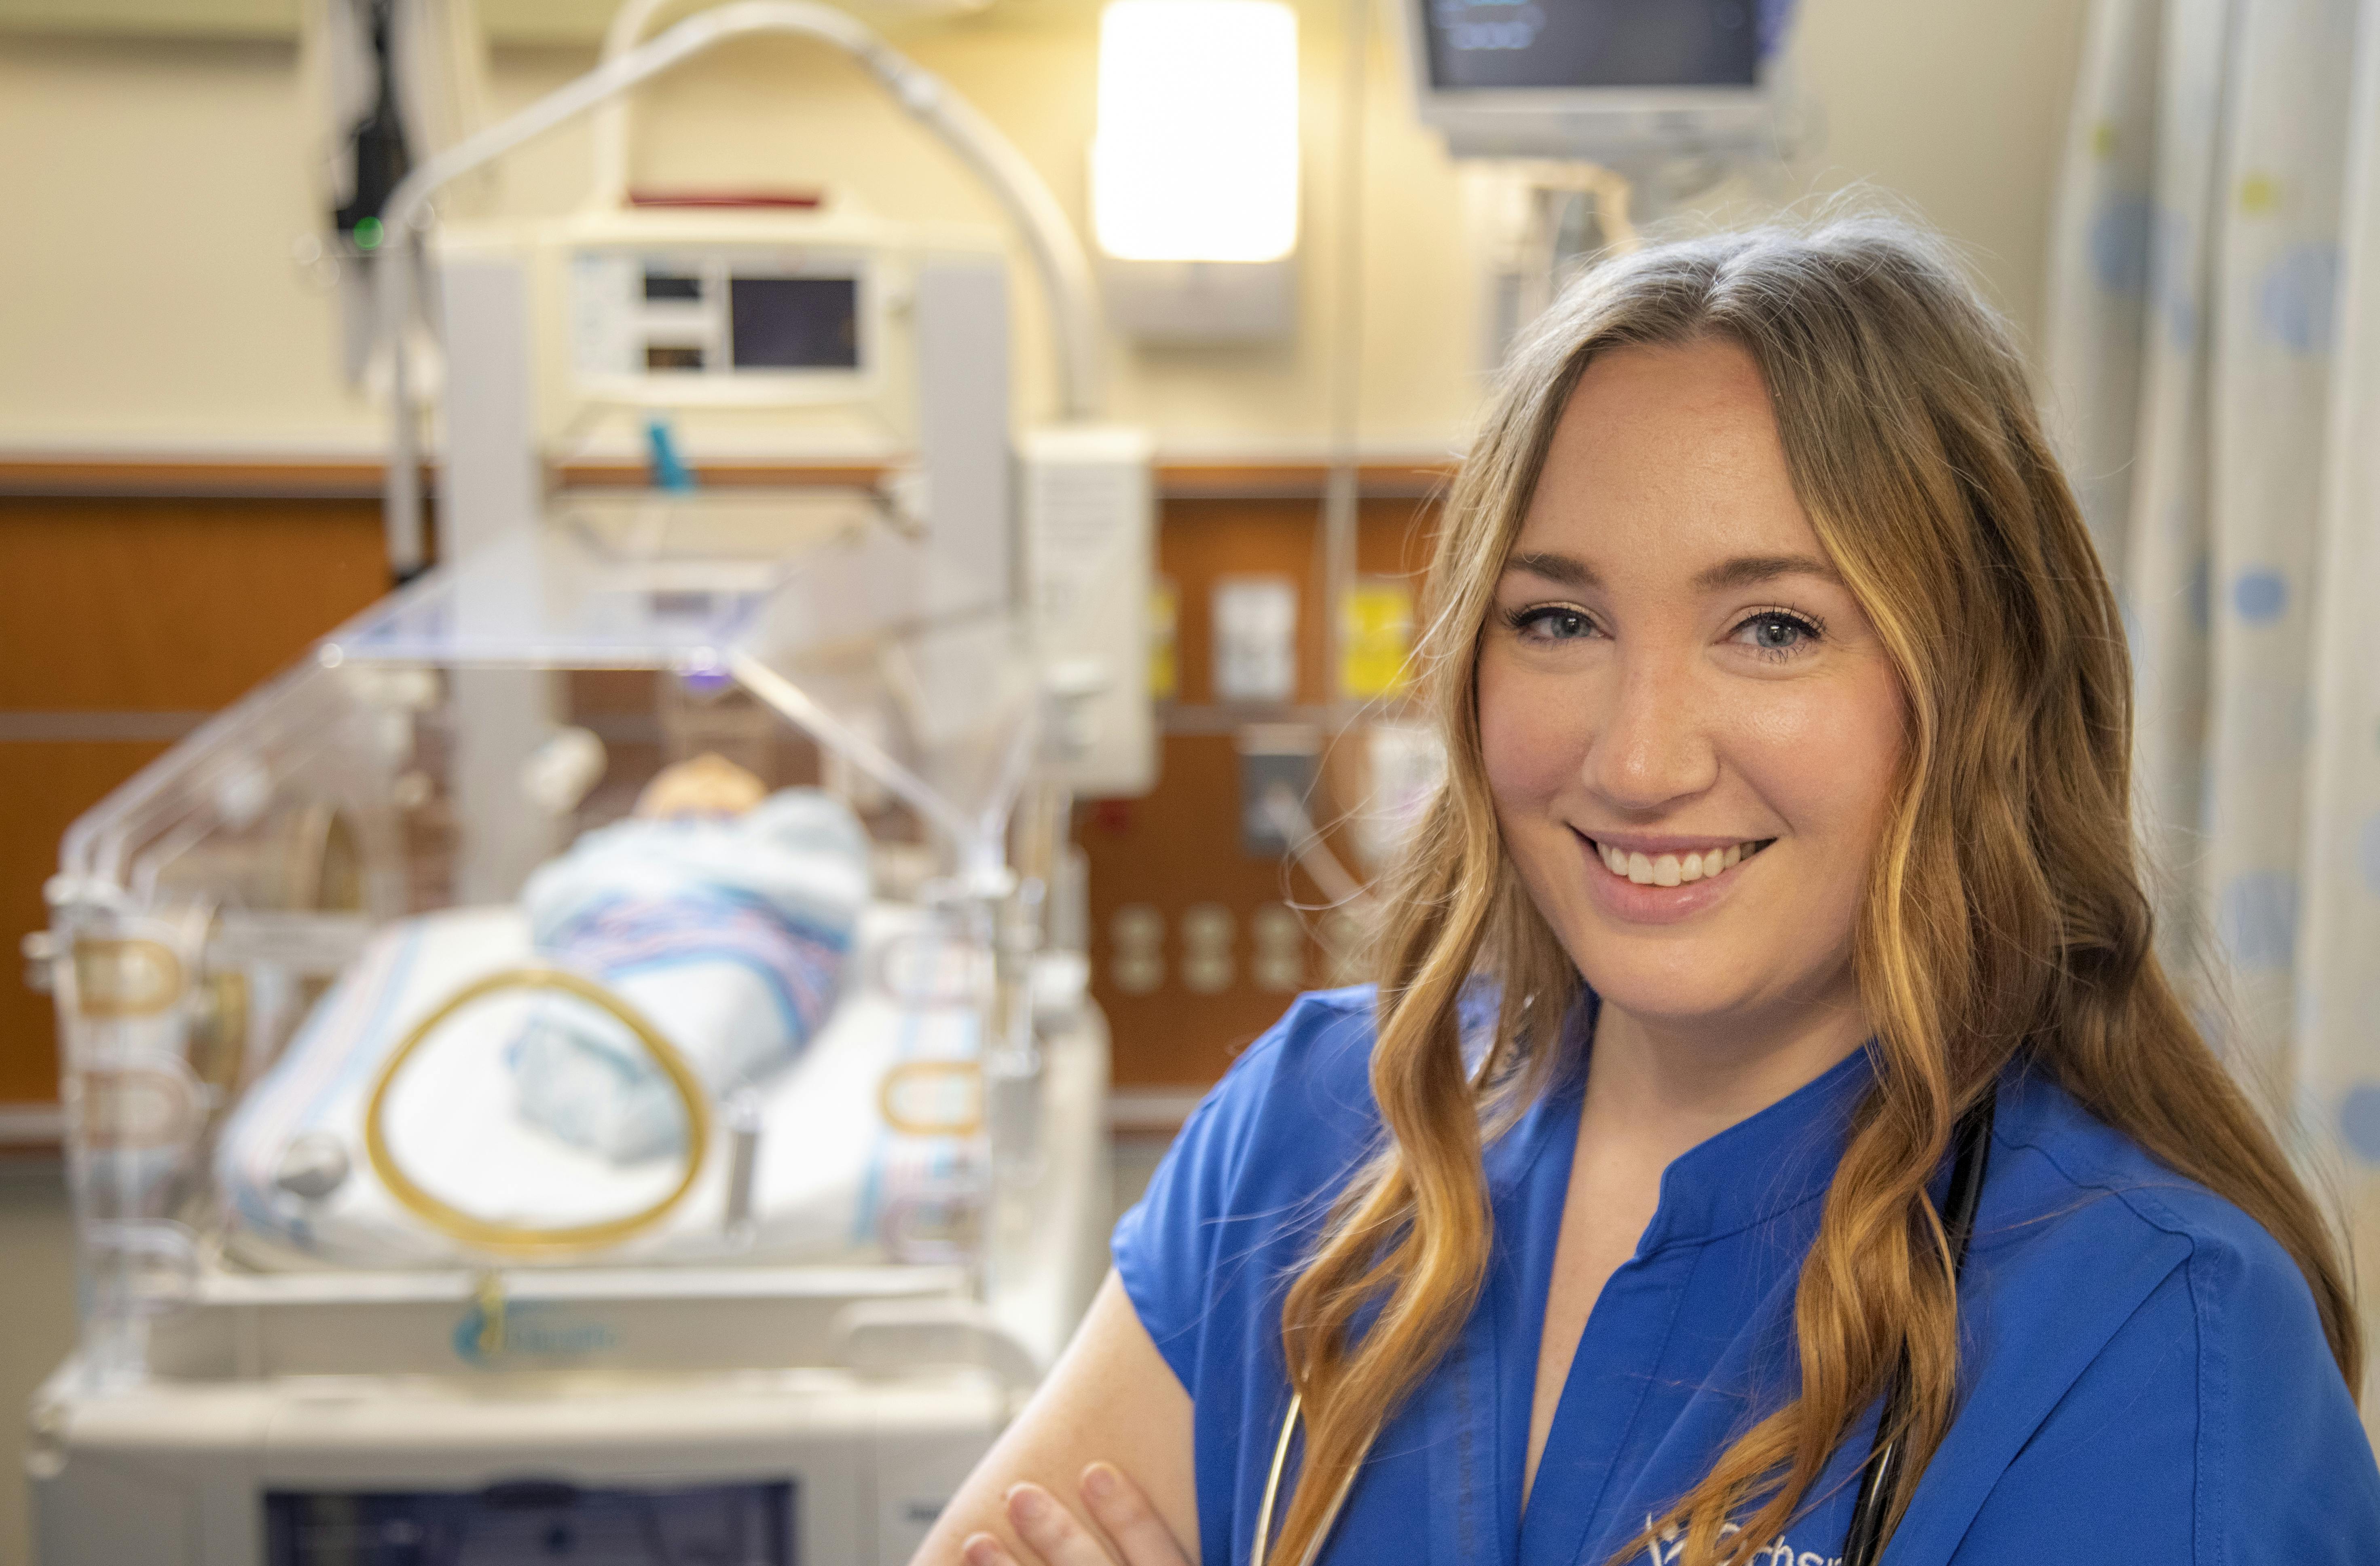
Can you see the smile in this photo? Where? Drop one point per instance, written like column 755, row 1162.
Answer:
column 1674, row 869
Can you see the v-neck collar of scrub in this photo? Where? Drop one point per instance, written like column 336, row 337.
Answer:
column 1763, row 1165
column 1757, row 1170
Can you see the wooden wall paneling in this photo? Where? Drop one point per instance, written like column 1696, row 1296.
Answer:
column 45, row 784
column 1180, row 846
column 122, row 615
column 149, row 605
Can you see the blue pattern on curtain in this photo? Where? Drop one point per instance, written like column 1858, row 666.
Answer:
column 2212, row 374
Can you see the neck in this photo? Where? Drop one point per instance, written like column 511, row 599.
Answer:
column 1667, row 1083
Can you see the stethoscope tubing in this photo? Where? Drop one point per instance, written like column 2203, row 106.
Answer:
column 1881, row 1479
column 1973, row 1140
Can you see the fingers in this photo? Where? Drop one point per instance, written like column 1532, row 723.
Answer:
column 982, row 1549
column 1048, row 1530
column 1121, row 1508
column 1055, row 1538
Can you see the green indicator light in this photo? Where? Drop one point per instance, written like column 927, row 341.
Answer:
column 368, row 234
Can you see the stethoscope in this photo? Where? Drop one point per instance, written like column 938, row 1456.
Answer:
column 1880, row 1481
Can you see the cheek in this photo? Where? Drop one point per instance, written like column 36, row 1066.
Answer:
column 1530, row 740
column 1852, row 731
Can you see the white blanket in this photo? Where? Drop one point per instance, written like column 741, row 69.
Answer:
column 731, row 932
column 833, row 1180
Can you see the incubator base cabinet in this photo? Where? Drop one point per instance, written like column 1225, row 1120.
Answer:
column 814, row 1473
column 742, row 1416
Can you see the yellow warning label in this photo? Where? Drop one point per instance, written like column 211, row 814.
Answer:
column 1164, row 659
column 1375, row 637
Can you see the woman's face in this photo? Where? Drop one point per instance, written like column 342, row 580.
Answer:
column 1691, row 730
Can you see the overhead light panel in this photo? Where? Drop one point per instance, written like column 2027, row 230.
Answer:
column 1195, row 164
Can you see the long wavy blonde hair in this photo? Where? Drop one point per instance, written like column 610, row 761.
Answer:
column 2004, row 914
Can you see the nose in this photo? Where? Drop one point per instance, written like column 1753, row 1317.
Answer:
column 1653, row 748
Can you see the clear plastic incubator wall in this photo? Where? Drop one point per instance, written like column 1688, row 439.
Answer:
column 512, row 1068
column 594, row 1063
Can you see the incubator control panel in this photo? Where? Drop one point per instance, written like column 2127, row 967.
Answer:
column 732, row 324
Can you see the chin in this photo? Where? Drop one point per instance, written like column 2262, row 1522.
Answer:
column 1659, row 992
column 1703, row 970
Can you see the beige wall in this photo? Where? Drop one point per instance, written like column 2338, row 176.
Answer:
column 151, row 192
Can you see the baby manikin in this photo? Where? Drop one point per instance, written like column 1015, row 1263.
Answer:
column 726, row 921
column 736, row 925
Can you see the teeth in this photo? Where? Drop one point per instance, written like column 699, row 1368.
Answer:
column 1673, row 870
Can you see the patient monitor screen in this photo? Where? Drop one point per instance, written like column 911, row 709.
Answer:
column 1575, row 43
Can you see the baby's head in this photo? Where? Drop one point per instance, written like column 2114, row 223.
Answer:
column 707, row 785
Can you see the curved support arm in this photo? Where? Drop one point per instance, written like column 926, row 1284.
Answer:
column 1057, row 253
column 629, row 24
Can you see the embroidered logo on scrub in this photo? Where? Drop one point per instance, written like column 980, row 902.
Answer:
column 1670, row 1546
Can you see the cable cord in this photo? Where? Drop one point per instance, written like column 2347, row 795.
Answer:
column 1341, row 496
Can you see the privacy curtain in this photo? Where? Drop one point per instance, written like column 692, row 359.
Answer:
column 2211, row 374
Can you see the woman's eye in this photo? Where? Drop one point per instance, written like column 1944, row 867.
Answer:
column 1776, row 632
column 1551, row 622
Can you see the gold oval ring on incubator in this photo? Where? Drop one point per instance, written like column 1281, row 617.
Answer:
column 932, row 1098
column 521, row 1240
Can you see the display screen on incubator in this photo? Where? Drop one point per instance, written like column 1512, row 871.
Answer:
column 667, row 286
column 1588, row 43
column 794, row 322
column 750, row 1525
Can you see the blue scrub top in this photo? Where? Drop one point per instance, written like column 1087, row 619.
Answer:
column 2150, row 1380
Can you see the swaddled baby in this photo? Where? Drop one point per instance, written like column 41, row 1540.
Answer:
column 723, row 917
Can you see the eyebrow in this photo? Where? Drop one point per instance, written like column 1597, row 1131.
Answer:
column 1567, row 570
column 1746, row 570
column 1741, row 571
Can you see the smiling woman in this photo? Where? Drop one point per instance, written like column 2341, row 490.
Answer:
column 1784, row 843
column 1674, row 673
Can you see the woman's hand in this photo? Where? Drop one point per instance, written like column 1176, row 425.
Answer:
column 1110, row 1404
column 1136, row 1535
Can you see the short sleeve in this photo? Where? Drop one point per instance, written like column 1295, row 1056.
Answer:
column 2285, row 1470
column 1166, row 1246
column 1280, row 1124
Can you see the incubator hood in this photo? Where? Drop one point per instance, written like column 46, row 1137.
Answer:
column 815, row 601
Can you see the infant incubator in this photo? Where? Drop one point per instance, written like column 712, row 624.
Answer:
column 734, row 1174
column 594, row 1063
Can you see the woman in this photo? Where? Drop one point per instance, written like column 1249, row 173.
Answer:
column 1785, row 829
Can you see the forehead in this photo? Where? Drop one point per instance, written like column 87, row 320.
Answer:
column 1667, row 458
